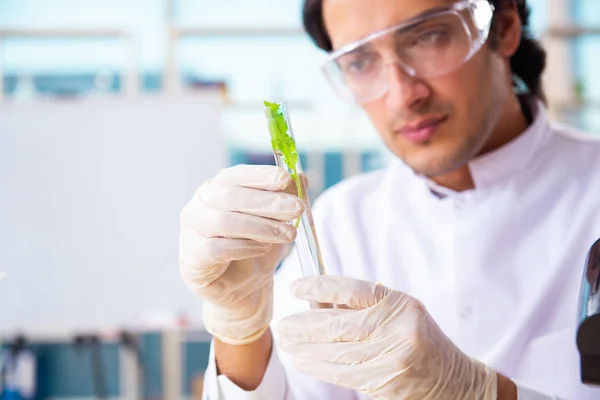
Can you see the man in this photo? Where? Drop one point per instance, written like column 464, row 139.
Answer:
column 476, row 235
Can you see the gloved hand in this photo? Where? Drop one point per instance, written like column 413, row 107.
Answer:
column 382, row 343
column 234, row 233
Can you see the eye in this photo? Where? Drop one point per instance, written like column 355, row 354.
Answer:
column 434, row 37
column 358, row 64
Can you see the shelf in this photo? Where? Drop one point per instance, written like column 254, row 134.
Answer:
column 63, row 33
column 571, row 31
column 256, row 32
column 576, row 106
column 246, row 105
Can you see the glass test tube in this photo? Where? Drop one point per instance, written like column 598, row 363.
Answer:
column 307, row 245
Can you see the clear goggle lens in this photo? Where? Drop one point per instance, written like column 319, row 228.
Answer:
column 426, row 47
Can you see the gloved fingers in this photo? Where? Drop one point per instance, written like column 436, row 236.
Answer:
column 233, row 292
column 245, row 277
column 198, row 252
column 325, row 325
column 354, row 293
column 275, row 205
column 205, row 252
column 265, row 177
column 343, row 353
column 347, row 325
column 336, row 374
column 367, row 377
column 242, row 283
column 233, row 225
column 292, row 187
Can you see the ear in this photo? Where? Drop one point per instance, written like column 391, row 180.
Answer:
column 509, row 30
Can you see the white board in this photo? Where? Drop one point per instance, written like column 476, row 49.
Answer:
column 90, row 195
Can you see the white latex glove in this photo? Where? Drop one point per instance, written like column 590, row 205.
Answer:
column 234, row 233
column 382, row 343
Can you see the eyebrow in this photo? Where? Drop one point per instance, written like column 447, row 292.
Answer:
column 358, row 50
column 427, row 13
column 351, row 47
column 421, row 15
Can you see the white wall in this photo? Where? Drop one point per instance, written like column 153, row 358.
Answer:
column 90, row 195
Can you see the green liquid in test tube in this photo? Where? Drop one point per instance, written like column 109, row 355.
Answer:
column 286, row 157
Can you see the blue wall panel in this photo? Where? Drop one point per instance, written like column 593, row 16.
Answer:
column 333, row 168
column 66, row 371
column 196, row 360
column 151, row 349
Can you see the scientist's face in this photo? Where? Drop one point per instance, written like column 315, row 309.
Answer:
column 436, row 125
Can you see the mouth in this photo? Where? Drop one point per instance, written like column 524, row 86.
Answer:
column 421, row 131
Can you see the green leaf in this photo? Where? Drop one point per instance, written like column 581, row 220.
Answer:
column 282, row 143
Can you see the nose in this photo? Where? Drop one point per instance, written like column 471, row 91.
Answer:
column 405, row 92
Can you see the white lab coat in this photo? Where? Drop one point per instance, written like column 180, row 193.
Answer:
column 498, row 267
column 20, row 373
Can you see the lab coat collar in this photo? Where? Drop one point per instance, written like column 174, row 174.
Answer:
column 514, row 156
column 501, row 164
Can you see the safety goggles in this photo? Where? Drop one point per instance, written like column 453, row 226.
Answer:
column 429, row 46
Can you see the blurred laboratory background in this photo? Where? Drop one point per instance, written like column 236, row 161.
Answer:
column 112, row 112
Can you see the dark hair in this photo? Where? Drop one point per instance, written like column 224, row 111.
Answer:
column 528, row 62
